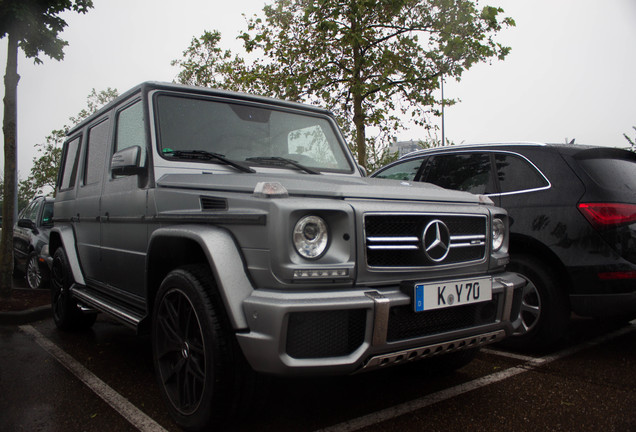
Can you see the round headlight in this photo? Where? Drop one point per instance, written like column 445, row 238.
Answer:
column 498, row 234
column 310, row 237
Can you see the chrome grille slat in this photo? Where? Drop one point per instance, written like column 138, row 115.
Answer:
column 397, row 240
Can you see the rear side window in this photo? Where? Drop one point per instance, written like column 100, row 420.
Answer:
column 96, row 152
column 517, row 174
column 612, row 173
column 401, row 171
column 469, row 172
column 70, row 161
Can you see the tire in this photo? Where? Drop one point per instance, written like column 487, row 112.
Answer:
column 200, row 370
column 66, row 314
column 545, row 310
column 36, row 277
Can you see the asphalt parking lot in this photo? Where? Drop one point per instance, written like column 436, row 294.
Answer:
column 103, row 379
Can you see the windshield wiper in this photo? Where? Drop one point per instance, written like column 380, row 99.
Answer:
column 281, row 161
column 206, row 155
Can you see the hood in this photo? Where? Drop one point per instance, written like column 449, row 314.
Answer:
column 319, row 186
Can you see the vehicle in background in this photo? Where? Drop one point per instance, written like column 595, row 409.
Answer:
column 572, row 212
column 31, row 239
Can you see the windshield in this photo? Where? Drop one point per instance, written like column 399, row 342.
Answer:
column 246, row 133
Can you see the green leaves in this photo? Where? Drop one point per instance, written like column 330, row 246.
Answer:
column 43, row 173
column 372, row 62
column 36, row 24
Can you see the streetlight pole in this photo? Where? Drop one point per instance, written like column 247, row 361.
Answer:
column 443, row 131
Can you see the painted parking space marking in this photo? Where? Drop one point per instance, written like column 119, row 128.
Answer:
column 123, row 406
column 524, row 358
column 442, row 395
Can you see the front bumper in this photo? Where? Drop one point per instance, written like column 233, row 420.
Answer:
column 343, row 332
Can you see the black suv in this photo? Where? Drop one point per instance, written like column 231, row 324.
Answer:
column 572, row 220
column 31, row 239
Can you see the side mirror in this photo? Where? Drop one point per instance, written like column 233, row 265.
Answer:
column 27, row 223
column 126, row 162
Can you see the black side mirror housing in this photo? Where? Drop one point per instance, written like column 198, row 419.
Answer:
column 126, row 162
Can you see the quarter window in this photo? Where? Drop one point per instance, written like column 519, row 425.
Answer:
column 517, row 174
column 71, row 161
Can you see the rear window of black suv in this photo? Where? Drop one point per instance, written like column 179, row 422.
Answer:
column 610, row 169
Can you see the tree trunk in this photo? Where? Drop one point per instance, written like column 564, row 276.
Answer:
column 358, row 121
column 9, row 128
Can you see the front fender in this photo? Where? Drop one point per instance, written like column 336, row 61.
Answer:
column 225, row 261
column 63, row 236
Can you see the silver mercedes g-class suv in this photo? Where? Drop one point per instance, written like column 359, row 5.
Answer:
column 239, row 232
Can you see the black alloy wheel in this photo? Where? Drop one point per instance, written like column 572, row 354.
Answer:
column 199, row 368
column 545, row 309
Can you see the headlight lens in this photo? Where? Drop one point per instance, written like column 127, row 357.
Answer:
column 311, row 237
column 498, row 234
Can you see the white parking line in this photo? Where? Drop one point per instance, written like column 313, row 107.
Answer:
column 414, row 405
column 509, row 355
column 119, row 403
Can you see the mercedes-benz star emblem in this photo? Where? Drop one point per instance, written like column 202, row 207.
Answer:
column 436, row 240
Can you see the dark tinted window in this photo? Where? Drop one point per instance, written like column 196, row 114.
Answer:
column 71, row 161
column 47, row 213
column 401, row 171
column 96, row 152
column 469, row 172
column 517, row 174
column 612, row 173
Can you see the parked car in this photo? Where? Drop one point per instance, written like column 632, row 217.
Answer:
column 238, row 232
column 31, row 239
column 572, row 215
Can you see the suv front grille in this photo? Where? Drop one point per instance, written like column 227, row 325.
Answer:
column 407, row 240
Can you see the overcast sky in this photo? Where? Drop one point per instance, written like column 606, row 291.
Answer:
column 570, row 74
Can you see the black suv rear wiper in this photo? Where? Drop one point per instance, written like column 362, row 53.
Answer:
column 206, row 155
column 281, row 161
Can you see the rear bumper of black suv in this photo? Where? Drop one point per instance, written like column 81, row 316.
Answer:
column 606, row 290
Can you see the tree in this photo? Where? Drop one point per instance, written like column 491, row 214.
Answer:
column 372, row 62
column 43, row 173
column 33, row 26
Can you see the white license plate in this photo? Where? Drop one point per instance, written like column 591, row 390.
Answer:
column 438, row 295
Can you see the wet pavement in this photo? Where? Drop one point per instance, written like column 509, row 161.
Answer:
column 589, row 384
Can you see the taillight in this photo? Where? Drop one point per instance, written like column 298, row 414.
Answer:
column 608, row 214
column 618, row 275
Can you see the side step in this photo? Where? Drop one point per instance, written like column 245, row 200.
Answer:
column 93, row 300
